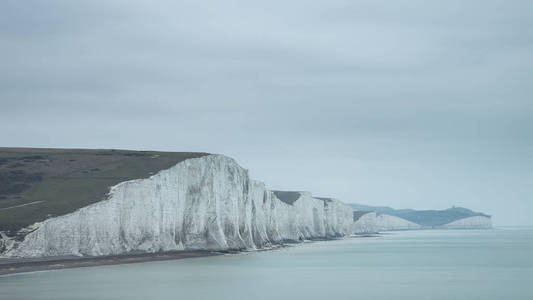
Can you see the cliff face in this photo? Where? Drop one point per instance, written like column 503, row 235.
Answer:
column 370, row 222
column 365, row 223
column 476, row 222
column 388, row 223
column 200, row 203
column 207, row 202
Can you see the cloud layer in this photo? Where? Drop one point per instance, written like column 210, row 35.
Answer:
column 409, row 104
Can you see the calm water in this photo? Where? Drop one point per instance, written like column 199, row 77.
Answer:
column 494, row 264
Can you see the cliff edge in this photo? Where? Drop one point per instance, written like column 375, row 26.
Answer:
column 207, row 202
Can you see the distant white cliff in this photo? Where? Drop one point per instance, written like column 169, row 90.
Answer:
column 370, row 222
column 201, row 203
column 388, row 223
column 476, row 222
column 364, row 222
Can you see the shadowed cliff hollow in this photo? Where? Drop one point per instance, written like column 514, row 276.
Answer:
column 36, row 184
column 288, row 197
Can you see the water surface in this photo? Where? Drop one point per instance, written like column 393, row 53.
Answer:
column 455, row 264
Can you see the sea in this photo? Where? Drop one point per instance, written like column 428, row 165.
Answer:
column 426, row 264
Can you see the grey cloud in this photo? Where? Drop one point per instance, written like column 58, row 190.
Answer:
column 405, row 103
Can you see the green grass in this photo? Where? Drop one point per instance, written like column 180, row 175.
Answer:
column 70, row 179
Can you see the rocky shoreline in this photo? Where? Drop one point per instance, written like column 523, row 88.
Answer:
column 23, row 265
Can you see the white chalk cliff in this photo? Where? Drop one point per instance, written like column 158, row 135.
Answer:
column 365, row 222
column 207, row 203
column 476, row 222
column 370, row 222
column 201, row 203
column 388, row 223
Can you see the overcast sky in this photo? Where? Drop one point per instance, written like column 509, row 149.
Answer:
column 420, row 104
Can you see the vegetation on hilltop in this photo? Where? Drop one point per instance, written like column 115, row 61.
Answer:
column 36, row 184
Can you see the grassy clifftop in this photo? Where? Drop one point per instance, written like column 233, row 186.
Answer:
column 36, row 184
